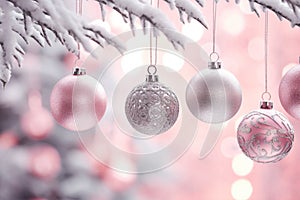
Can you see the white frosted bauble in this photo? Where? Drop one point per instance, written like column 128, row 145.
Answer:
column 152, row 108
column 214, row 94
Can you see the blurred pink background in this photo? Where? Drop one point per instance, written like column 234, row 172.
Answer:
column 41, row 160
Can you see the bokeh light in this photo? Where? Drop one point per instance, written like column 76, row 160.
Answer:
column 241, row 189
column 242, row 165
column 193, row 30
column 229, row 147
column 232, row 22
column 45, row 161
column 37, row 122
column 8, row 139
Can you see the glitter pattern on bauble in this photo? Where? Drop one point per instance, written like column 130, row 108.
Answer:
column 78, row 101
column 214, row 94
column 152, row 108
column 265, row 135
column 289, row 92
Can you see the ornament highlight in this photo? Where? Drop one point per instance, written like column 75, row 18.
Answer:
column 265, row 135
column 151, row 108
column 289, row 92
column 78, row 101
column 214, row 95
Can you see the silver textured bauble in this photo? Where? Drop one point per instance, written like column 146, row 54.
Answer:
column 214, row 95
column 151, row 108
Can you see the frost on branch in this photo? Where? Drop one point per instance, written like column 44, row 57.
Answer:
column 144, row 11
column 288, row 9
column 39, row 20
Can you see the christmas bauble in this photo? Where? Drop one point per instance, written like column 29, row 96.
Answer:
column 214, row 95
column 265, row 135
column 78, row 101
column 151, row 108
column 289, row 92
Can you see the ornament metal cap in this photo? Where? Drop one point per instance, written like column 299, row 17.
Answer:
column 78, row 71
column 152, row 78
column 266, row 104
column 214, row 65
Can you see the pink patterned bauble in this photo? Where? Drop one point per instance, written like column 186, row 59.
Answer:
column 289, row 92
column 78, row 101
column 265, row 135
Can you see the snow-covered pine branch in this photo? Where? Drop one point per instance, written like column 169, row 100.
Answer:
column 38, row 19
column 144, row 11
column 288, row 9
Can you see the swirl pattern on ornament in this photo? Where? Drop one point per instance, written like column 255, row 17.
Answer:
column 152, row 108
column 265, row 136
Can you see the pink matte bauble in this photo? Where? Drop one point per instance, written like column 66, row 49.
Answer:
column 78, row 102
column 289, row 92
column 265, row 135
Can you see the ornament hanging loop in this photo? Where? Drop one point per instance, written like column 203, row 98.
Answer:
column 214, row 57
column 266, row 96
column 152, row 69
column 152, row 77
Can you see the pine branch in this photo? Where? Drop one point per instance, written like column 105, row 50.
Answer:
column 37, row 20
column 282, row 8
column 40, row 20
column 156, row 17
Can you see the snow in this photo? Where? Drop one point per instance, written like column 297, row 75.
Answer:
column 37, row 20
column 281, row 8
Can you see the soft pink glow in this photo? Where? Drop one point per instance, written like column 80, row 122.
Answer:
column 8, row 139
column 44, row 161
column 220, row 176
column 37, row 122
column 119, row 181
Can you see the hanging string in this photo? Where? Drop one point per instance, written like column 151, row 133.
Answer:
column 214, row 53
column 78, row 11
column 266, row 92
column 153, row 64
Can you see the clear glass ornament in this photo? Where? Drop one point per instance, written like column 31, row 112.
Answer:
column 78, row 101
column 214, row 94
column 265, row 135
column 289, row 92
column 152, row 108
